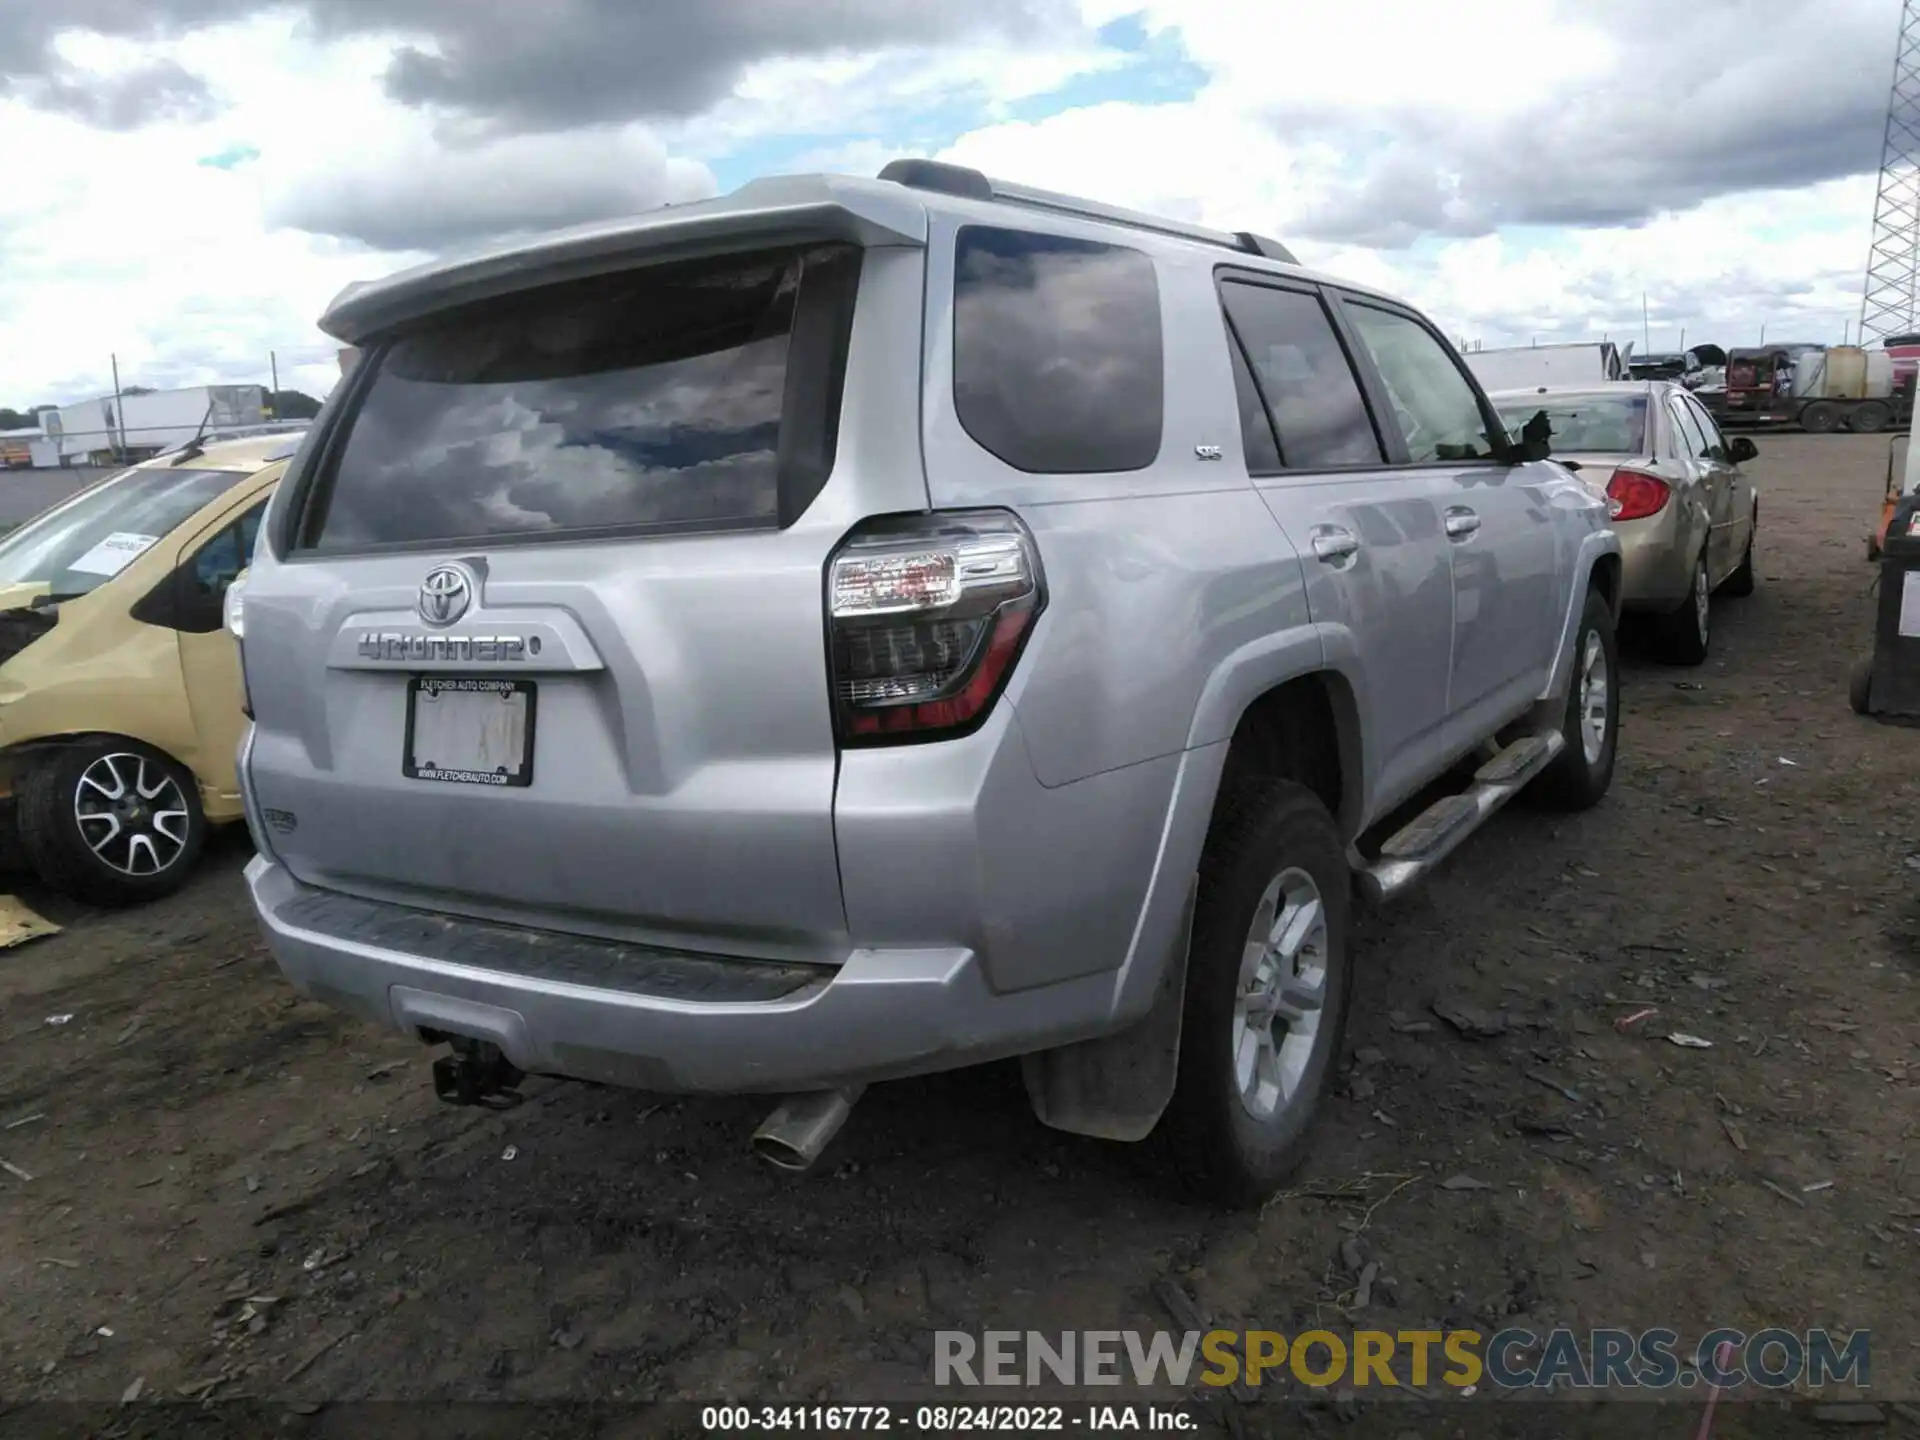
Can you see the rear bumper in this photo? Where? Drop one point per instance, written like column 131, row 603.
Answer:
column 1656, row 565
column 655, row 1020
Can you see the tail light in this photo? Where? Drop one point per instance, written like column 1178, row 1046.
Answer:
column 1634, row 495
column 927, row 616
column 234, row 615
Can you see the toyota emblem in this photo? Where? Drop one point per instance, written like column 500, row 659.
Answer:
column 445, row 594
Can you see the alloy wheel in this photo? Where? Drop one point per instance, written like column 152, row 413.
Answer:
column 1282, row 994
column 1596, row 701
column 131, row 813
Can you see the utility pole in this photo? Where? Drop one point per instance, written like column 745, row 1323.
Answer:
column 119, row 425
column 273, row 395
column 1646, row 334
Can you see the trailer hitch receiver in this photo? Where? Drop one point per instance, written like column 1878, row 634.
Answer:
column 476, row 1073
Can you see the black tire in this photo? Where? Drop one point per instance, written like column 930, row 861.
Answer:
column 1860, row 687
column 1577, row 779
column 1266, row 833
column 1869, row 418
column 1819, row 418
column 61, row 784
column 1684, row 636
column 1740, row 583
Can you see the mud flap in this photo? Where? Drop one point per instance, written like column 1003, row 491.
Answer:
column 1115, row 1087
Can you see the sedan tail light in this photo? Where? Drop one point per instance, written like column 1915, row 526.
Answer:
column 927, row 616
column 1634, row 495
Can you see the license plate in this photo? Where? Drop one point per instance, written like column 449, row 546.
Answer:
column 469, row 730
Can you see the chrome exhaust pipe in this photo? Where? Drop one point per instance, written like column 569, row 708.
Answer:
column 792, row 1137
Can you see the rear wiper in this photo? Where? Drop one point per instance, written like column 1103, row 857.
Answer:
column 194, row 448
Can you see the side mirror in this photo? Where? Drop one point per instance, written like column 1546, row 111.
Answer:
column 1742, row 449
column 1535, row 442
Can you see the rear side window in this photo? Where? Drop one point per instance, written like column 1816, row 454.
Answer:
column 1436, row 408
column 1057, row 354
column 700, row 395
column 1709, row 430
column 1693, row 443
column 1304, row 377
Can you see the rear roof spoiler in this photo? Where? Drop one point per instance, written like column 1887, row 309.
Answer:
column 777, row 210
column 968, row 184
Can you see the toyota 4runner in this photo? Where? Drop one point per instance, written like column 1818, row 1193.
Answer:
column 854, row 628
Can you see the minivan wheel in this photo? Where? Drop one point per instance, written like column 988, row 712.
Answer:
column 110, row 821
column 1268, row 988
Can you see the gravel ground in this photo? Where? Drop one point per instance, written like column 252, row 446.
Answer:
column 25, row 493
column 198, row 1135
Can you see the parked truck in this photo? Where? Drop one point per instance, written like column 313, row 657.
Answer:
column 1904, row 351
column 16, row 448
column 134, row 426
column 1815, row 387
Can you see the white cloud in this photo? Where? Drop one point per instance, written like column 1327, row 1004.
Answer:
column 1458, row 128
column 1724, row 266
column 417, row 192
column 1632, row 144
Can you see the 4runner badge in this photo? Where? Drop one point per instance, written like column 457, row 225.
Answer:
column 402, row 648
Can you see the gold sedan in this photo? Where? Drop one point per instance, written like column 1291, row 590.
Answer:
column 1685, row 512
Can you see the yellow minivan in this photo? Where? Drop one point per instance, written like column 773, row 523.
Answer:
column 120, row 690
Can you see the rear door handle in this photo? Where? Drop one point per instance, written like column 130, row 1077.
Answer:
column 1461, row 522
column 1332, row 543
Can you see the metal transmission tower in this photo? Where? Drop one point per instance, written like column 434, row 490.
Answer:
column 1892, row 293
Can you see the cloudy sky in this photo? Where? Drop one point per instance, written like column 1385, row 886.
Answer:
column 190, row 181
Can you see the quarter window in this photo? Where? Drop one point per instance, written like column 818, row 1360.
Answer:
column 1256, row 427
column 1303, row 376
column 1434, row 404
column 1057, row 351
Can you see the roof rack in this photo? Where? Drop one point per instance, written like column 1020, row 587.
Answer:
column 971, row 184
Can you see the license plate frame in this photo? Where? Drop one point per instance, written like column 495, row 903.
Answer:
column 496, row 779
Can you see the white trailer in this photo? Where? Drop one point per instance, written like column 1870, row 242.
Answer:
column 134, row 426
column 1523, row 367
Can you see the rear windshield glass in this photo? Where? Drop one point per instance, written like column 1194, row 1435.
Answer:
column 85, row 542
column 1585, row 424
column 1057, row 351
column 660, row 397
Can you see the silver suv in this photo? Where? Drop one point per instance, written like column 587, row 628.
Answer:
column 855, row 628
